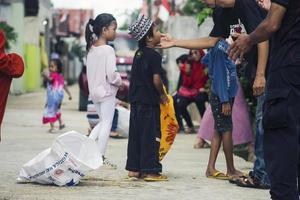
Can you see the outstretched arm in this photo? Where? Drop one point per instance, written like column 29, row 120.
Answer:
column 201, row 43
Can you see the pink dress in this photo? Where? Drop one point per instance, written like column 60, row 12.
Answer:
column 242, row 129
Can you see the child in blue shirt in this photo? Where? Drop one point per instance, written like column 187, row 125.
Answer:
column 224, row 86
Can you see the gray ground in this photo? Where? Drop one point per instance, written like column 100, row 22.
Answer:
column 23, row 136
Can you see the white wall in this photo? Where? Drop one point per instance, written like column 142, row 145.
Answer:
column 184, row 27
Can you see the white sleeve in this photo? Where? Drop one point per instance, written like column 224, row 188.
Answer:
column 112, row 75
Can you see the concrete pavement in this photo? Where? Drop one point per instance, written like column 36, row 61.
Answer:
column 24, row 136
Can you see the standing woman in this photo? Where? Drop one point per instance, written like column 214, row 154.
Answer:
column 102, row 75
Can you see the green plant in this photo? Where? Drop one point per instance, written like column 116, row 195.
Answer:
column 197, row 8
column 203, row 14
column 10, row 34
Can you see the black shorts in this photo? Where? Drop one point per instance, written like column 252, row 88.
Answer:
column 223, row 123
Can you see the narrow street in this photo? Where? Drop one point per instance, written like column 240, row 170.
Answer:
column 24, row 136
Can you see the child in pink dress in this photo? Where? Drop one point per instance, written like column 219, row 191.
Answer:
column 242, row 129
column 55, row 94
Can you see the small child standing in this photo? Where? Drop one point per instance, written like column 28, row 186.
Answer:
column 103, row 78
column 55, row 94
column 224, row 86
column 145, row 95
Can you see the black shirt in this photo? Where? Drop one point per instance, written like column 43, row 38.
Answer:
column 286, row 42
column 250, row 16
column 146, row 63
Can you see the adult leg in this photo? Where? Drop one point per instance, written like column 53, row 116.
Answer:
column 183, row 102
column 281, row 144
column 200, row 100
column 177, row 112
column 259, row 173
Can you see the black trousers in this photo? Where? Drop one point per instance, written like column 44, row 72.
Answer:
column 183, row 103
column 281, row 121
column 144, row 139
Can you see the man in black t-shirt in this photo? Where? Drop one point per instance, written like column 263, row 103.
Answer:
column 281, row 117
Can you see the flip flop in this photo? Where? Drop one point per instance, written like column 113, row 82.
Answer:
column 62, row 126
column 218, row 175
column 116, row 136
column 156, row 178
column 131, row 178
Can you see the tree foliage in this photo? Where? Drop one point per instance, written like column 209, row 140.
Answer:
column 10, row 34
column 197, row 8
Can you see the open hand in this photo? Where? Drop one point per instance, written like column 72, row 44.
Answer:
column 166, row 41
column 164, row 99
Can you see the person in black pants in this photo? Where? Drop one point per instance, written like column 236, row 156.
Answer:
column 145, row 95
column 281, row 117
column 194, row 80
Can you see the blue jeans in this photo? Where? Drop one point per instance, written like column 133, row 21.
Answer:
column 259, row 169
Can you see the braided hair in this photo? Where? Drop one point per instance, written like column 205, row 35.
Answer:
column 94, row 28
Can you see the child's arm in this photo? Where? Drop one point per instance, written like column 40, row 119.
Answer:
column 46, row 76
column 221, row 86
column 113, row 76
column 159, row 87
column 67, row 91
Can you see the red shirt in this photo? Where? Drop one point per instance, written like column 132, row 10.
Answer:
column 198, row 75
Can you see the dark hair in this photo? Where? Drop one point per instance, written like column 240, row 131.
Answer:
column 58, row 64
column 183, row 58
column 143, row 41
column 97, row 25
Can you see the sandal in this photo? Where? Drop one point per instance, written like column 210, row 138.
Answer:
column 131, row 178
column 218, row 175
column 234, row 180
column 156, row 178
column 62, row 126
column 201, row 145
column 251, row 183
column 189, row 130
column 51, row 130
column 116, row 136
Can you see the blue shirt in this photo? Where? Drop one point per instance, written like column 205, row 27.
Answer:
column 221, row 71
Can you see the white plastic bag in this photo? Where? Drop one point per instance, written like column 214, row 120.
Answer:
column 123, row 121
column 71, row 156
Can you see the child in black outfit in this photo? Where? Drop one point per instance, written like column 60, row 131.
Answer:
column 145, row 94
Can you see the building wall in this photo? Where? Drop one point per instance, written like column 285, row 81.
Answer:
column 27, row 45
column 13, row 14
column 184, row 27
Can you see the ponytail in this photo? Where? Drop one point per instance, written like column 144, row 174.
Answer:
column 89, row 34
column 93, row 29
